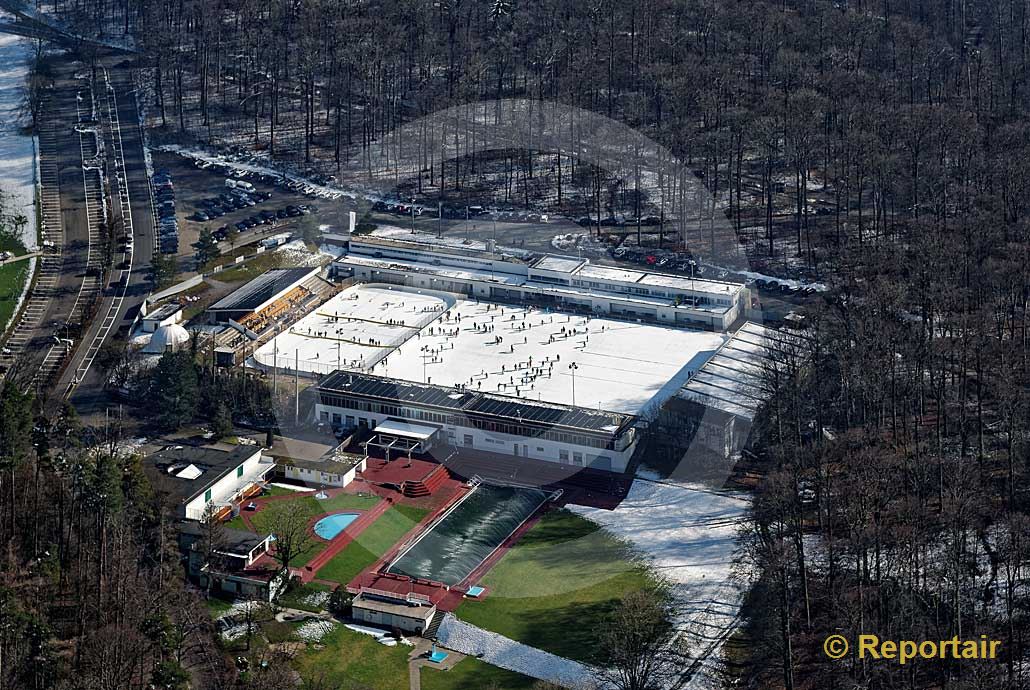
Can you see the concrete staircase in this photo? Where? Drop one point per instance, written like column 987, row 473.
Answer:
column 434, row 625
column 427, row 485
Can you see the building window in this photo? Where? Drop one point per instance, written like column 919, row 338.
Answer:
column 207, row 496
column 563, row 457
column 577, row 458
column 468, row 439
column 239, row 471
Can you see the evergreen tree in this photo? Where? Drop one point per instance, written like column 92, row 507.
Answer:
column 174, row 390
column 207, row 248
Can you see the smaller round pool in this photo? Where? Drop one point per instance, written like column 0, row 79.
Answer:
column 331, row 525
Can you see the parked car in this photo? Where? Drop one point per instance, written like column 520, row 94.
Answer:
column 239, row 184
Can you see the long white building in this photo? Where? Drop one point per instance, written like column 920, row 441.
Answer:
column 564, row 282
column 472, row 420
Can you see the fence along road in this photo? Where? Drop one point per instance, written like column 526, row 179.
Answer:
column 48, row 269
column 110, row 308
column 40, row 342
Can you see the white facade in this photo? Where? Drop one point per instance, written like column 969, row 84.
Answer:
column 564, row 281
column 462, row 434
column 163, row 316
column 392, row 614
column 330, row 476
column 231, row 486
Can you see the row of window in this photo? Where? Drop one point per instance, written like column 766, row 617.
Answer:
column 333, row 400
column 514, row 429
column 644, row 291
column 533, row 432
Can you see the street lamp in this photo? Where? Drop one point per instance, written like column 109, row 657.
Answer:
column 573, row 367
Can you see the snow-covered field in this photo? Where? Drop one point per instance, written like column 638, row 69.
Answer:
column 688, row 534
column 620, row 366
column 507, row 653
column 17, row 149
column 451, row 241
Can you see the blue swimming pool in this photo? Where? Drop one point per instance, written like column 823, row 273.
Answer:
column 331, row 525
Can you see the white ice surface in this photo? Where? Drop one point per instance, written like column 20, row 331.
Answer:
column 359, row 336
column 621, row 366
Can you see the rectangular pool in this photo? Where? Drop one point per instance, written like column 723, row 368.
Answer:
column 453, row 548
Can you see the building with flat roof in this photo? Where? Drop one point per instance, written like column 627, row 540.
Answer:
column 260, row 293
column 194, row 477
column 563, row 282
column 423, row 415
column 239, row 565
column 411, row 613
column 330, row 472
column 165, row 315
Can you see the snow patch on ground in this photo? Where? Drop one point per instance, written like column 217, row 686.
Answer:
column 688, row 534
column 752, row 275
column 429, row 238
column 297, row 254
column 22, row 296
column 291, row 487
column 514, row 656
column 579, row 242
column 314, row 631
column 319, row 598
column 381, row 636
column 17, row 149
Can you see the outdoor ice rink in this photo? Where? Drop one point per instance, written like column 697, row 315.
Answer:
column 530, row 353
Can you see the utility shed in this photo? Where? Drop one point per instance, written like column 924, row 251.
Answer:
column 393, row 611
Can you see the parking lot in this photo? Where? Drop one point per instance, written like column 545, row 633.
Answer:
column 262, row 205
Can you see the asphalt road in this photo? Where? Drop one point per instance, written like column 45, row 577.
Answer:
column 121, row 304
column 38, row 351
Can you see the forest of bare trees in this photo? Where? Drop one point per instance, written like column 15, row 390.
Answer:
column 909, row 115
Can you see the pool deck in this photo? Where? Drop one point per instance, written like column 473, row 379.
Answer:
column 444, row 597
column 341, row 540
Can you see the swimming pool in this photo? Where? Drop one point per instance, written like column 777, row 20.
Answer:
column 453, row 548
column 331, row 525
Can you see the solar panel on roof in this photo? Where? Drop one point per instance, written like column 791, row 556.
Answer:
column 261, row 289
column 479, row 403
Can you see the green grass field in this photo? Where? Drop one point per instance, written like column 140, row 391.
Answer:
column 371, row 544
column 555, row 587
column 12, row 278
column 12, row 281
column 350, row 659
column 473, row 674
column 311, row 507
column 248, row 270
column 308, row 505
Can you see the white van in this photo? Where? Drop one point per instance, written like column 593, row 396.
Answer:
column 239, row 184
